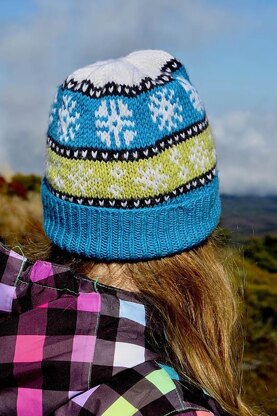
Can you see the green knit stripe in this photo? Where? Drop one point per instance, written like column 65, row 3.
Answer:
column 144, row 178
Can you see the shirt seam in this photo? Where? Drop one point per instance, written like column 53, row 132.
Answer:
column 95, row 334
column 48, row 287
column 187, row 409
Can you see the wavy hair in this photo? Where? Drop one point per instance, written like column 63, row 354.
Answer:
column 197, row 302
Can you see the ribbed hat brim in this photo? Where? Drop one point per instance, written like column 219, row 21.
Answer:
column 132, row 234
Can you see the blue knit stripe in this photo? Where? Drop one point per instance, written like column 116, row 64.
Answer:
column 146, row 131
column 132, row 234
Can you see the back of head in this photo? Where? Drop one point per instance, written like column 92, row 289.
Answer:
column 131, row 177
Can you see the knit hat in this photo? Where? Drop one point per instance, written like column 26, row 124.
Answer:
column 131, row 163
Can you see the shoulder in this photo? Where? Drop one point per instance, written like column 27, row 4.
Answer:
column 144, row 389
column 156, row 389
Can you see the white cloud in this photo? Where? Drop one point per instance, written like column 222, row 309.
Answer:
column 247, row 152
column 38, row 53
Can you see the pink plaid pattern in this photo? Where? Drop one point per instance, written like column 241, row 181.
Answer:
column 29, row 402
column 41, row 270
column 70, row 348
column 88, row 302
column 28, row 348
column 83, row 348
column 7, row 294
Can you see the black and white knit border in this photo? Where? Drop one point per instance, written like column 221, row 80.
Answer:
column 197, row 182
column 132, row 154
column 87, row 88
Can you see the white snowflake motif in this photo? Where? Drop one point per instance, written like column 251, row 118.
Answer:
column 59, row 182
column 175, row 158
column 152, row 178
column 83, row 179
column 116, row 190
column 114, row 121
column 68, row 117
column 53, row 109
column 174, row 155
column 199, row 155
column 183, row 174
column 117, row 172
column 165, row 110
column 192, row 93
column 212, row 147
column 53, row 169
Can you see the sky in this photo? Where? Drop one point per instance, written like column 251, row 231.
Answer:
column 227, row 46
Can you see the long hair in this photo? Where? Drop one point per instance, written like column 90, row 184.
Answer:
column 197, row 301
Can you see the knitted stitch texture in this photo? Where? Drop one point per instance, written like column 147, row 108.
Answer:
column 131, row 162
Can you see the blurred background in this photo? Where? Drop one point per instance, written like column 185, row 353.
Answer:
column 229, row 50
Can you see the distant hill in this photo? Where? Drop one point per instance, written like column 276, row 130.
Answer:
column 249, row 215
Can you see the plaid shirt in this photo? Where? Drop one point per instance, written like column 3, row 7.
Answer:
column 71, row 347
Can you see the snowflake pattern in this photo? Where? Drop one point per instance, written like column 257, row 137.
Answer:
column 53, row 169
column 114, row 121
column 152, row 178
column 184, row 172
column 199, row 155
column 116, row 190
column 59, row 182
column 68, row 117
column 53, row 109
column 212, row 146
column 174, row 155
column 117, row 172
column 192, row 93
column 165, row 110
column 83, row 179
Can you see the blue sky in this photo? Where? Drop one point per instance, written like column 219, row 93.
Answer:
column 15, row 9
column 228, row 48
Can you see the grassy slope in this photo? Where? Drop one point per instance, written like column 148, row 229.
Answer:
column 260, row 351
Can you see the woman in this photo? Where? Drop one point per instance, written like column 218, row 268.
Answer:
column 132, row 311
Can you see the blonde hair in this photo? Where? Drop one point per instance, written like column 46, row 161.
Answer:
column 196, row 300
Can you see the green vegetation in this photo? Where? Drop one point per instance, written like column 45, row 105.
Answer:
column 262, row 251
column 260, row 358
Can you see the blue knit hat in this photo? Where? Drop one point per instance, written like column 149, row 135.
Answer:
column 131, row 163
